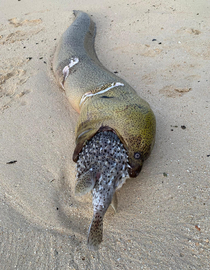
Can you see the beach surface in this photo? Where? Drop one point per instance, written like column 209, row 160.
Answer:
column 162, row 49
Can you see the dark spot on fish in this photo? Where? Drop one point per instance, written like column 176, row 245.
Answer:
column 183, row 127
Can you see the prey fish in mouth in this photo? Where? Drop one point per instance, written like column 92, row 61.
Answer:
column 115, row 131
column 102, row 168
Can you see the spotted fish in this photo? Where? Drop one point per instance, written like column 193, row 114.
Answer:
column 102, row 168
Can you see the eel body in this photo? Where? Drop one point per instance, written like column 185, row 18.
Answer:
column 107, row 106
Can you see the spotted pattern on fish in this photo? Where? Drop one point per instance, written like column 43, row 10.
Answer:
column 105, row 160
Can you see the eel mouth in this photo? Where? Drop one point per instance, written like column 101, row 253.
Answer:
column 133, row 169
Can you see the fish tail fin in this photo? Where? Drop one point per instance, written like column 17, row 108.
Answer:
column 95, row 233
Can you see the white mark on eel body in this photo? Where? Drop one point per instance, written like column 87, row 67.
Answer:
column 89, row 94
column 66, row 69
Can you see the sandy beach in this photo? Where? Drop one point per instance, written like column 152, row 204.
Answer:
column 162, row 49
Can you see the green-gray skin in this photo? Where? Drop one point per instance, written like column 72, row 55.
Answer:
column 104, row 101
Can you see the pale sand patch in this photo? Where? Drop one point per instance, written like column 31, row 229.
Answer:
column 163, row 220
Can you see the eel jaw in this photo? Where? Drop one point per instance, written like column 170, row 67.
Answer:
column 134, row 170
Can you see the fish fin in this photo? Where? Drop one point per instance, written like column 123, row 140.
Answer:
column 84, row 183
column 114, row 202
column 95, row 233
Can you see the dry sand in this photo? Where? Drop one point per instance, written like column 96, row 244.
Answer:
column 162, row 48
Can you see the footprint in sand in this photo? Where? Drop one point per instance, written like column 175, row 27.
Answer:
column 12, row 77
column 19, row 35
column 18, row 22
column 173, row 91
column 12, row 71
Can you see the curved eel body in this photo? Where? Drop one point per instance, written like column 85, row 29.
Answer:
column 104, row 101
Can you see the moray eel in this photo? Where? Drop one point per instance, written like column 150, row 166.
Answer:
column 107, row 105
